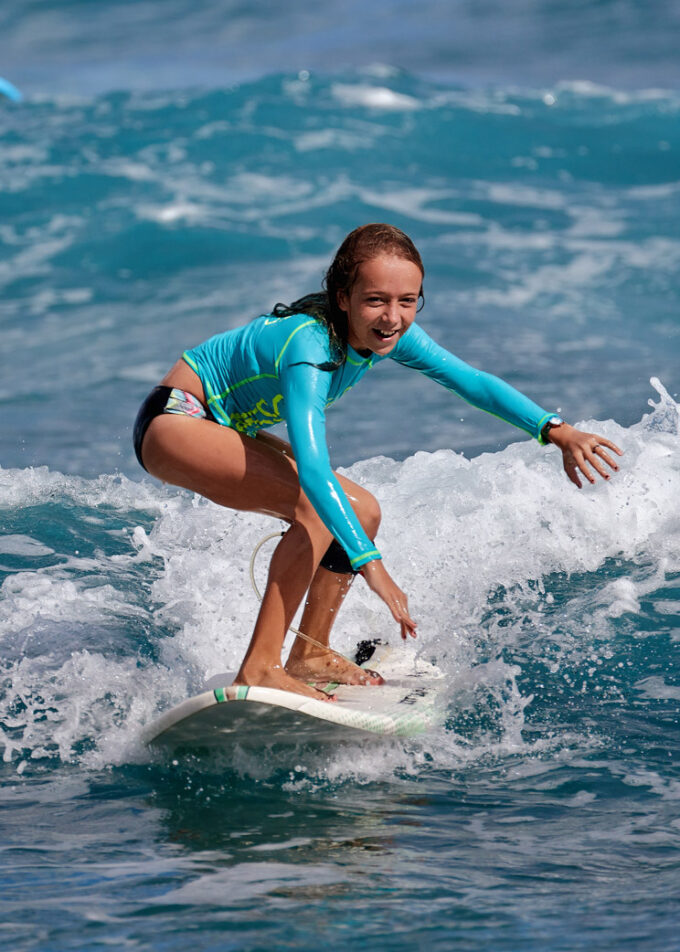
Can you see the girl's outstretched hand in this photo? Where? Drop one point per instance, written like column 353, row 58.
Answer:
column 380, row 582
column 580, row 451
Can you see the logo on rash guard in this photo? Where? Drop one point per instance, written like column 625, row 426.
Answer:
column 261, row 415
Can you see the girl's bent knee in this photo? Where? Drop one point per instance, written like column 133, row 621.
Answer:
column 369, row 514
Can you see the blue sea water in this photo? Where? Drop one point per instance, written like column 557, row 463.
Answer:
column 175, row 169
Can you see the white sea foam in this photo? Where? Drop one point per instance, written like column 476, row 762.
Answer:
column 332, row 139
column 566, row 279
column 126, row 168
column 414, row 202
column 653, row 192
column 168, row 214
column 19, row 544
column 656, row 688
column 488, row 101
column 524, row 195
column 374, row 97
column 586, row 89
column 456, row 533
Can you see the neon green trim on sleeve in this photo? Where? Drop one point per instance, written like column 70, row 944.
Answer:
column 359, row 560
column 539, row 427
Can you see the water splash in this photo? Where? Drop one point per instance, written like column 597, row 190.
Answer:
column 156, row 598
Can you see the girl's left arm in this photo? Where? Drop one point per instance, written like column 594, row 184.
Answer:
column 487, row 392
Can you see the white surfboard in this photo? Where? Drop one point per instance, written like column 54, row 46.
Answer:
column 257, row 717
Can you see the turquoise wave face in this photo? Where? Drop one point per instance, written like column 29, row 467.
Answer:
column 543, row 814
column 136, row 225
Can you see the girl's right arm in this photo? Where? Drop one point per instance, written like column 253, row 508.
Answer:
column 305, row 390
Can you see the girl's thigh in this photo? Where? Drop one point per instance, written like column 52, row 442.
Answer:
column 239, row 471
column 223, row 465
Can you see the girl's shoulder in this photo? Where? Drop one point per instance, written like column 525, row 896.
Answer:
column 298, row 338
column 412, row 342
column 290, row 322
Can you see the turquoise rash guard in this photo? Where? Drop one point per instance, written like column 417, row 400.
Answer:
column 285, row 368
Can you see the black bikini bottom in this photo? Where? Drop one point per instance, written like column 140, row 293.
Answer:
column 165, row 400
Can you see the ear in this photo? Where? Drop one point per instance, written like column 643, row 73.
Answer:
column 343, row 300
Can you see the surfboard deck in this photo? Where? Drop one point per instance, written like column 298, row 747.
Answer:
column 225, row 715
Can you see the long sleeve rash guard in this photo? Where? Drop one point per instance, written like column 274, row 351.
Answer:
column 285, row 368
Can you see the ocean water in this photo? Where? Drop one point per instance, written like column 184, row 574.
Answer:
column 176, row 169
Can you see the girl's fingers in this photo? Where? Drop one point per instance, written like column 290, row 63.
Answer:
column 585, row 450
column 595, row 463
column 408, row 626
column 407, row 630
column 606, row 458
column 383, row 585
column 612, row 446
column 571, row 469
column 596, row 456
column 399, row 609
column 401, row 615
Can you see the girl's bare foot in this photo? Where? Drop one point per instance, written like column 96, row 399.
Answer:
column 277, row 677
column 327, row 667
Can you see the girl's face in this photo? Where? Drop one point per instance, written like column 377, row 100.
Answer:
column 382, row 303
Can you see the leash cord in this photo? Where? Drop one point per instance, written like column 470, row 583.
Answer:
column 296, row 631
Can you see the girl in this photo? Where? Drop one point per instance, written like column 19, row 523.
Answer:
column 204, row 428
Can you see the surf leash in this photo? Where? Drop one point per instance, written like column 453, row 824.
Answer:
column 296, row 631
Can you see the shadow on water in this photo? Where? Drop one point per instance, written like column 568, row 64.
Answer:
column 215, row 808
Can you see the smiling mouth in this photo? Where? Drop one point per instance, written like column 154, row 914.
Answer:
column 384, row 335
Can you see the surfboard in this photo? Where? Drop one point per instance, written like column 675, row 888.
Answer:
column 257, row 717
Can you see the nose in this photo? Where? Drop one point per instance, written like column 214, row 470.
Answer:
column 392, row 312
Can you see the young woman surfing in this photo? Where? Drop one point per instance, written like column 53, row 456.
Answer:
column 203, row 428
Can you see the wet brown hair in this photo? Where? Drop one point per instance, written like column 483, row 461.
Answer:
column 362, row 244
